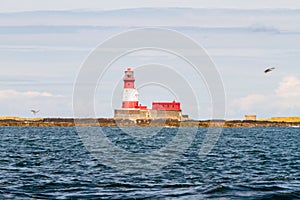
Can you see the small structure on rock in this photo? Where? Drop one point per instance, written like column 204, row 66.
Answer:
column 250, row 117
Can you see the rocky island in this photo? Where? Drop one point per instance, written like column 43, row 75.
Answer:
column 40, row 122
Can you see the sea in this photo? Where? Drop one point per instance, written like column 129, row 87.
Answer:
column 57, row 163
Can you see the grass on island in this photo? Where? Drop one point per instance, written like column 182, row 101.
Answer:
column 19, row 118
column 283, row 119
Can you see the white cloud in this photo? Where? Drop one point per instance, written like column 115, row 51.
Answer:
column 249, row 102
column 18, row 103
column 13, row 94
column 289, row 88
column 284, row 100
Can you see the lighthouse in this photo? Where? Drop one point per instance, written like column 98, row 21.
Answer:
column 130, row 94
column 132, row 110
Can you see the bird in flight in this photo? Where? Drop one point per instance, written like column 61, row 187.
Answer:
column 35, row 111
column 269, row 70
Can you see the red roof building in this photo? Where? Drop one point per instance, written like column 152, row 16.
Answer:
column 166, row 106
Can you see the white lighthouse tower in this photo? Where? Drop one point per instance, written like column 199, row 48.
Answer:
column 130, row 94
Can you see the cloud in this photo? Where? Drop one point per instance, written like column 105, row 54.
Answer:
column 16, row 5
column 263, row 28
column 70, row 21
column 249, row 102
column 284, row 100
column 289, row 88
column 13, row 94
column 19, row 103
column 41, row 48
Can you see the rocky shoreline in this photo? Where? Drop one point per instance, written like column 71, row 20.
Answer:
column 69, row 122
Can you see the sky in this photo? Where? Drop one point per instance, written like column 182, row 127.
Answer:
column 43, row 46
column 30, row 5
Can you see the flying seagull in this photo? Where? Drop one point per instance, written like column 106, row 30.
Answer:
column 269, row 70
column 35, row 111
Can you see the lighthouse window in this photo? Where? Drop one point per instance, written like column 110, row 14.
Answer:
column 129, row 74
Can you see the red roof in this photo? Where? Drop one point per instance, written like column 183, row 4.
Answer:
column 166, row 106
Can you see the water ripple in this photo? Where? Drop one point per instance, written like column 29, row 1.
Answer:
column 52, row 163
